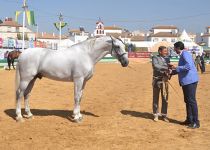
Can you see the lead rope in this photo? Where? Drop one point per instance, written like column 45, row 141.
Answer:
column 175, row 91
column 165, row 86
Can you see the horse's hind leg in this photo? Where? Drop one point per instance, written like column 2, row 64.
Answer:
column 19, row 95
column 26, row 99
column 8, row 62
column 20, row 92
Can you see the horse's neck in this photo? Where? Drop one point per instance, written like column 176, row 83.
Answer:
column 98, row 50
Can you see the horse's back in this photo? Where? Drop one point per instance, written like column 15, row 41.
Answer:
column 30, row 59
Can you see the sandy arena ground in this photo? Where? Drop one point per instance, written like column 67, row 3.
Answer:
column 117, row 106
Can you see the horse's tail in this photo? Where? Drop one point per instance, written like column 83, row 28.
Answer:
column 17, row 79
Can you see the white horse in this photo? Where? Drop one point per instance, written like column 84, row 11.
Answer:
column 75, row 64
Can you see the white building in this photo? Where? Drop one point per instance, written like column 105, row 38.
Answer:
column 49, row 37
column 192, row 36
column 101, row 30
column 164, row 33
column 112, row 29
column 10, row 29
column 78, row 35
column 139, row 41
column 50, row 40
column 205, row 38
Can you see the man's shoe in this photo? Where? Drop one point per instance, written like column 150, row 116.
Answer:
column 165, row 119
column 156, row 118
column 194, row 125
column 185, row 123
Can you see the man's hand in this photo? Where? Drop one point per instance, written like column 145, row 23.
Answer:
column 169, row 71
column 171, row 66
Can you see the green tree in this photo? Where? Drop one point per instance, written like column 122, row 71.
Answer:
column 19, row 37
column 134, row 49
column 126, row 47
column 26, row 37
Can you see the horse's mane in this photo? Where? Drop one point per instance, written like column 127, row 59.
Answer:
column 91, row 42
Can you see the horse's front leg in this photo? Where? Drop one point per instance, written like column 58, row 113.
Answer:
column 78, row 89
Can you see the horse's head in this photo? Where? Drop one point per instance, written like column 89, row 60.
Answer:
column 118, row 51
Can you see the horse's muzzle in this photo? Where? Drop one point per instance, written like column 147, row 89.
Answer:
column 124, row 62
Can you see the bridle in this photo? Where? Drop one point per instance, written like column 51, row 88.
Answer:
column 116, row 50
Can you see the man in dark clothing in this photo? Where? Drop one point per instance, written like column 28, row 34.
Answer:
column 160, row 82
column 202, row 67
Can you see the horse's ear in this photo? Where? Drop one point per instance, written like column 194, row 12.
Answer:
column 112, row 39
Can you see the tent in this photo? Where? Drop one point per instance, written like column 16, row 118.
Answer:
column 184, row 37
column 189, row 43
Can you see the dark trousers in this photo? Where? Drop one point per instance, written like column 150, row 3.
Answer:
column 190, row 100
column 202, row 67
column 160, row 87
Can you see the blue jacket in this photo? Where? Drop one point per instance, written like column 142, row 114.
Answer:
column 186, row 69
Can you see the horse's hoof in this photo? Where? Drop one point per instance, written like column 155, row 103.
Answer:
column 29, row 116
column 78, row 120
column 19, row 119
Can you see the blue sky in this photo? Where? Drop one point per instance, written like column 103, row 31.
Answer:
column 192, row 15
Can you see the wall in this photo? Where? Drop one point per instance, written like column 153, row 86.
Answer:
column 112, row 31
column 160, row 39
column 11, row 32
column 165, row 30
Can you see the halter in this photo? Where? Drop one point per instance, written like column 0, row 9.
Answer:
column 114, row 48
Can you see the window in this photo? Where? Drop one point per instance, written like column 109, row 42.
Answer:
column 17, row 29
column 155, row 40
column 8, row 29
column 173, row 40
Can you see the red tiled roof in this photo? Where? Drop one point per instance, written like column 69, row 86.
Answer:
column 117, row 35
column 126, row 35
column 165, row 27
column 75, row 31
column 138, row 38
column 49, row 36
column 112, row 28
column 164, row 34
column 99, row 22
column 10, row 23
column 206, row 35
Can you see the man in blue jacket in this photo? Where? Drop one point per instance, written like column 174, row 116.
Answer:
column 188, row 79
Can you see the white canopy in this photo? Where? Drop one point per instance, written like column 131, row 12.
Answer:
column 185, row 37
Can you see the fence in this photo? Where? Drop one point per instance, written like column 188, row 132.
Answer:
column 139, row 54
column 17, row 44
